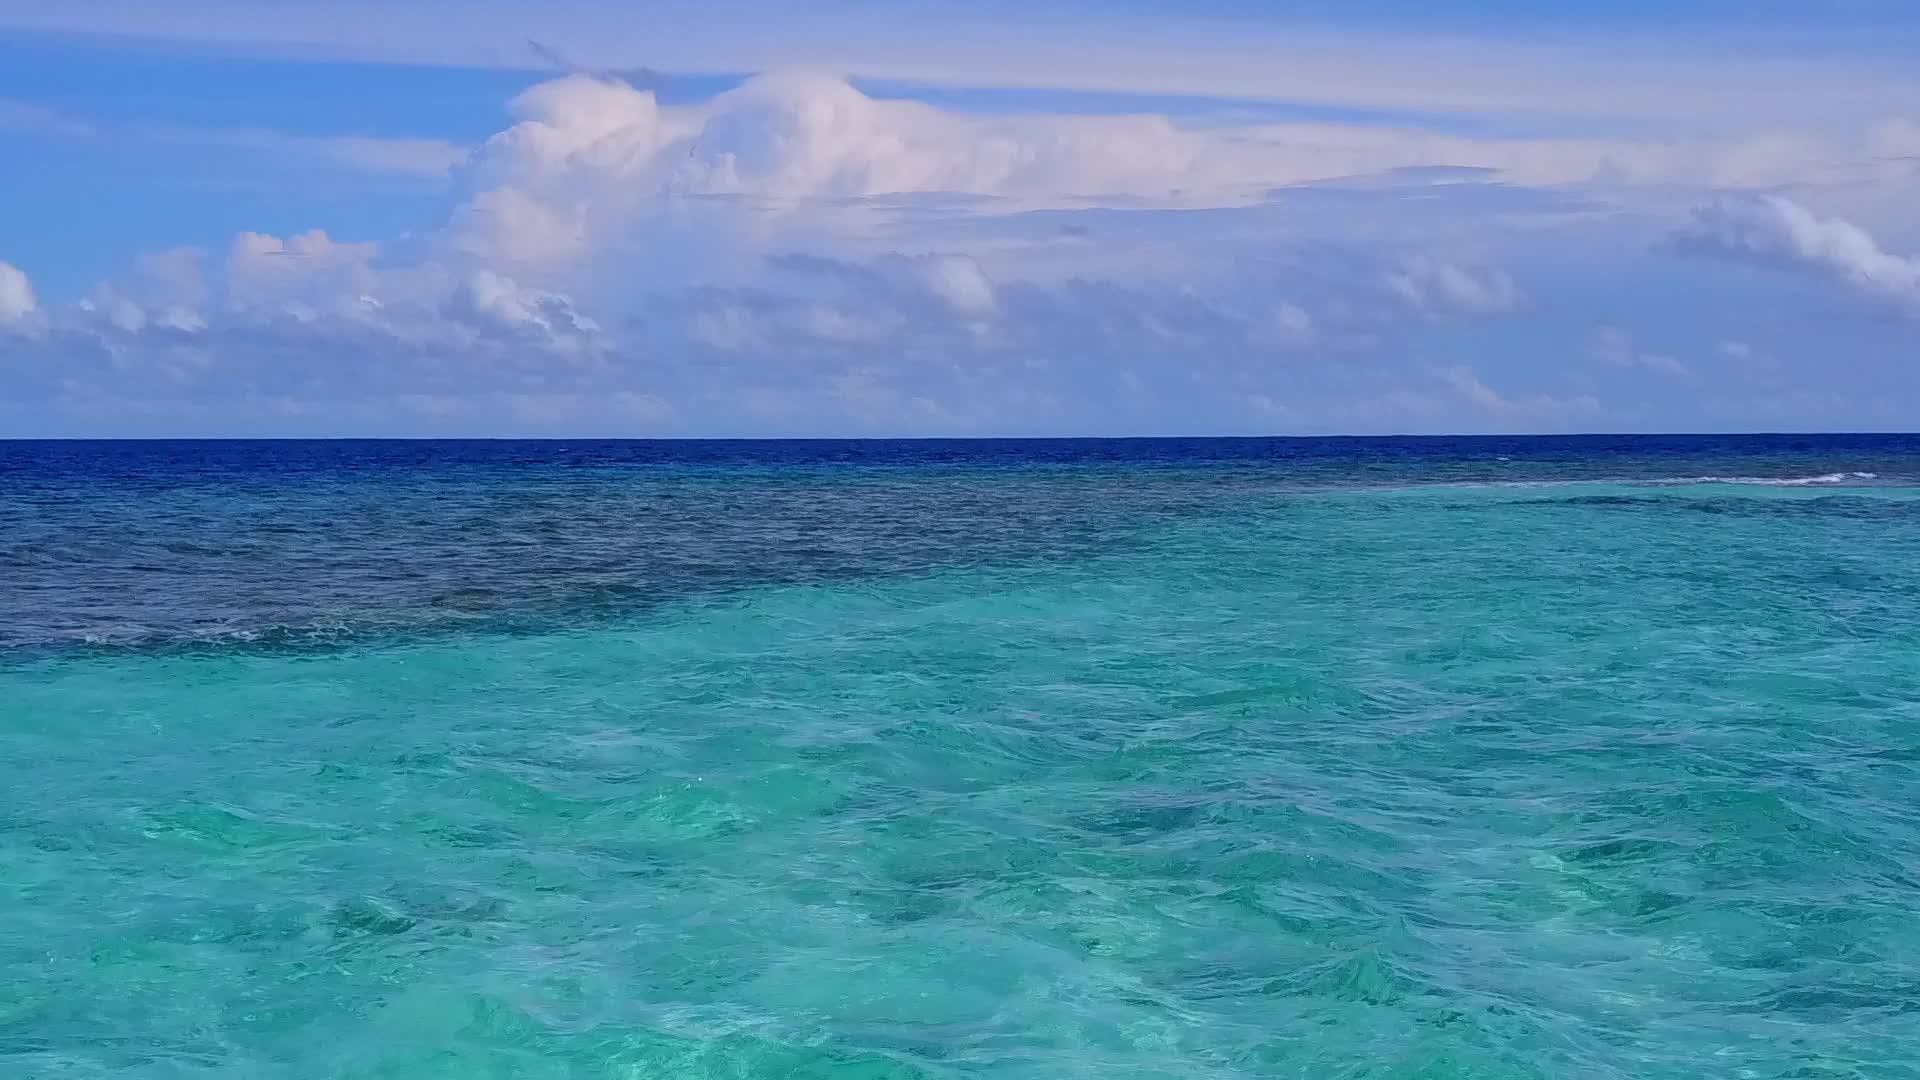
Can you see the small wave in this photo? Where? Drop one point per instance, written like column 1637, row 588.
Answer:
column 1822, row 480
column 1773, row 481
column 131, row 638
column 1855, row 479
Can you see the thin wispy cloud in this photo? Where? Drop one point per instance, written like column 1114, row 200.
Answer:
column 422, row 158
column 1793, row 74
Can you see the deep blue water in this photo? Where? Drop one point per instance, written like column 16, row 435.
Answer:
column 1486, row 757
column 306, row 541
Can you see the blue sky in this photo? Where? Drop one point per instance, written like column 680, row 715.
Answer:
column 924, row 219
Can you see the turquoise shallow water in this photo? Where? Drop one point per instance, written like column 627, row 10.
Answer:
column 1112, row 771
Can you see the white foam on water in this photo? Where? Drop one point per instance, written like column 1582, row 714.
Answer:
column 1772, row 481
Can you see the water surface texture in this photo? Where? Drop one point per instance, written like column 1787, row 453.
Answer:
column 1410, row 758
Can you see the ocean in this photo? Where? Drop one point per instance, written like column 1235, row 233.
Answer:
column 1500, row 758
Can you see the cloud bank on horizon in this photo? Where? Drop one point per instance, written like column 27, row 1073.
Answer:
column 799, row 252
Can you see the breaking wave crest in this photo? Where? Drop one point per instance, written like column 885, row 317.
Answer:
column 1822, row 480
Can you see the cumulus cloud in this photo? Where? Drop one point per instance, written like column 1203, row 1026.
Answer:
column 802, row 256
column 17, row 303
column 310, row 270
column 1775, row 231
column 785, row 137
column 533, row 315
column 306, row 301
column 892, row 344
column 591, row 161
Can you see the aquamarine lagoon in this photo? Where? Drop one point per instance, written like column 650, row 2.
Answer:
column 1493, row 758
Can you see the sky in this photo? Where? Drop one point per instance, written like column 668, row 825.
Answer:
column 670, row 219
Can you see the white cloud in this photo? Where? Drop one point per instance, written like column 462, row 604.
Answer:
column 1776, row 231
column 827, row 261
column 311, row 307
column 511, row 225
column 1432, row 285
column 310, row 268
column 592, row 156
column 498, row 301
column 960, row 282
column 591, row 163
column 115, row 310
column 894, row 344
column 17, row 303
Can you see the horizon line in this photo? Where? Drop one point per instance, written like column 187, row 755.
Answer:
column 942, row 438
